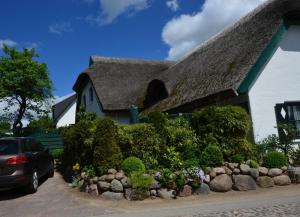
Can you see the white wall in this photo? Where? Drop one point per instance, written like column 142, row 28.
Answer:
column 279, row 81
column 94, row 106
column 68, row 117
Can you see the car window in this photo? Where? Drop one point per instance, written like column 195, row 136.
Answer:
column 31, row 145
column 8, row 147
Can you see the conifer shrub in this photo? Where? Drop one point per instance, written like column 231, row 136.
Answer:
column 107, row 153
column 132, row 164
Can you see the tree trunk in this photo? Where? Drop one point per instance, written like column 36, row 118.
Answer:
column 17, row 125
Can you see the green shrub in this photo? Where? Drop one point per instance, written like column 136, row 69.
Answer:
column 89, row 171
column 107, row 153
column 160, row 121
column 253, row 164
column 57, row 154
column 212, row 156
column 140, row 181
column 226, row 126
column 132, row 164
column 142, row 141
column 164, row 177
column 179, row 179
column 275, row 160
column 237, row 158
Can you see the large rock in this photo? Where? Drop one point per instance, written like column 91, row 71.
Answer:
column 203, row 189
column 282, row 180
column 165, row 194
column 126, row 183
column 119, row 175
column 103, row 186
column 232, row 166
column 93, row 190
column 83, row 186
column 274, row 172
column 219, row 170
column 116, row 186
column 263, row 171
column 265, row 182
column 95, row 180
column 109, row 177
column 112, row 171
column 254, row 173
column 236, row 171
column 186, row 191
column 112, row 195
column 102, row 178
column 227, row 171
column 243, row 183
column 244, row 169
column 221, row 183
column 212, row 174
column 135, row 194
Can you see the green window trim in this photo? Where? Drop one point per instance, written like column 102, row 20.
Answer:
column 264, row 58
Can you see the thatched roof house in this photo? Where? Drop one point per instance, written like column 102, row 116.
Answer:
column 238, row 66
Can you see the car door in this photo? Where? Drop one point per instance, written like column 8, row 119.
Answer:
column 32, row 147
column 44, row 158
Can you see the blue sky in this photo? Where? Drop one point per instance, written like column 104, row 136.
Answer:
column 66, row 32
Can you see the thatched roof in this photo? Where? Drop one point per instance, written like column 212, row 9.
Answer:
column 120, row 83
column 60, row 107
column 223, row 62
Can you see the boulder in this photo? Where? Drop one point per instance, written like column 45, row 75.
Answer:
column 153, row 193
column 112, row 171
column 207, row 179
column 265, row 182
column 244, row 169
column 95, row 180
column 119, row 175
column 219, row 170
column 103, row 186
column 186, row 191
column 135, row 194
column 125, row 182
column 83, row 186
column 282, row 180
column 112, row 196
column 203, row 189
column 274, row 172
column 93, row 190
column 221, row 183
column 102, row 178
column 263, row 171
column 284, row 168
column 212, row 174
column 254, row 173
column 165, row 194
column 236, row 171
column 243, row 183
column 155, row 185
column 116, row 186
column 227, row 171
column 83, row 175
column 232, row 166
column 109, row 177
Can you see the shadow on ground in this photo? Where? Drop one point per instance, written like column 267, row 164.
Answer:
column 17, row 192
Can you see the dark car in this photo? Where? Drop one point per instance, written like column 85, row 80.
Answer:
column 23, row 161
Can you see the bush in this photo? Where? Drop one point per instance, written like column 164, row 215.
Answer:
column 58, row 154
column 140, row 181
column 237, row 158
column 253, row 164
column 142, row 141
column 89, row 171
column 107, row 153
column 132, row 164
column 225, row 126
column 212, row 156
column 275, row 160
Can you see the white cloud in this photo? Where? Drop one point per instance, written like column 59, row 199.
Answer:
column 60, row 28
column 187, row 31
column 173, row 5
column 7, row 42
column 112, row 9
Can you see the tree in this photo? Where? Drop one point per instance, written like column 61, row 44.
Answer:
column 286, row 140
column 44, row 122
column 24, row 84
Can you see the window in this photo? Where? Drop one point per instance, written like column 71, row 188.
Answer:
column 288, row 112
column 8, row 147
column 91, row 94
column 156, row 92
column 84, row 100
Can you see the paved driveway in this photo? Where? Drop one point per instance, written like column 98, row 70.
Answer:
column 55, row 198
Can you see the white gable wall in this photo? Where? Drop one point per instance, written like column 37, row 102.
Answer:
column 68, row 117
column 94, row 106
column 278, row 82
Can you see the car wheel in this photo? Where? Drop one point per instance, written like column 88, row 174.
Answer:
column 51, row 172
column 33, row 185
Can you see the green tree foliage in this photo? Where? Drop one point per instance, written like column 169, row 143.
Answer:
column 132, row 164
column 212, row 156
column 4, row 128
column 107, row 153
column 44, row 122
column 83, row 115
column 225, row 126
column 24, row 84
column 286, row 141
column 275, row 159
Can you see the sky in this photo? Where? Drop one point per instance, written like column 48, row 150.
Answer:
column 65, row 33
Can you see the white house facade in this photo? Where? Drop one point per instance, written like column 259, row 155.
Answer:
column 64, row 112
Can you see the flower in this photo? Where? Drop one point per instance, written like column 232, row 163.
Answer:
column 76, row 167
